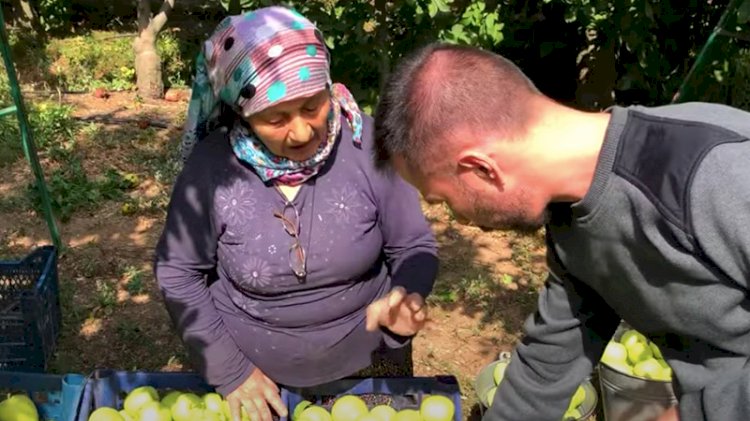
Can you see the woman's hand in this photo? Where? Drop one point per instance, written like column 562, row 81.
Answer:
column 255, row 395
column 400, row 313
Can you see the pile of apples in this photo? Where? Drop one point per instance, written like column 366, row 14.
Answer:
column 635, row 355
column 143, row 404
column 18, row 407
column 572, row 413
column 354, row 408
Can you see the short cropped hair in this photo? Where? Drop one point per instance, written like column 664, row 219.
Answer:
column 442, row 88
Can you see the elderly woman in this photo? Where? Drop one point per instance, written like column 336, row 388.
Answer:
column 286, row 258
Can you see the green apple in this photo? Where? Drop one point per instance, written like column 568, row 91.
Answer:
column 300, row 408
column 655, row 350
column 154, row 411
column 383, row 413
column 407, row 415
column 227, row 412
column 348, row 408
column 647, row 369
column 572, row 414
column 367, row 417
column 437, row 408
column 491, row 395
column 499, row 372
column 170, row 398
column 106, row 414
column 184, row 404
column 126, row 416
column 139, row 397
column 638, row 352
column 578, row 397
column 203, row 414
column 665, row 374
column 315, row 413
column 614, row 352
column 621, row 367
column 212, row 402
column 18, row 408
column 632, row 336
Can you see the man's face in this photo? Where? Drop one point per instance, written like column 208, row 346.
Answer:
column 475, row 197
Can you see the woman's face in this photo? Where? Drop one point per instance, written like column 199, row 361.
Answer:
column 294, row 129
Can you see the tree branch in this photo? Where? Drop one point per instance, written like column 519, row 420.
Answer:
column 157, row 23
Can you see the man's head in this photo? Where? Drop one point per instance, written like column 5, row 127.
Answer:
column 453, row 121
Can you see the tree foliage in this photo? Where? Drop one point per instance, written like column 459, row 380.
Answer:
column 592, row 53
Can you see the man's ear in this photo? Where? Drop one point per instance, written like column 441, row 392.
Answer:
column 482, row 165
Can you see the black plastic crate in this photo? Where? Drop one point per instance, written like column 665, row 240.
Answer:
column 30, row 316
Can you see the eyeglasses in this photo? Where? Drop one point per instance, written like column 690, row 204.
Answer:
column 297, row 256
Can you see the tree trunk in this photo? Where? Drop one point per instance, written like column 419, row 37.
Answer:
column 147, row 60
column 148, row 66
column 29, row 18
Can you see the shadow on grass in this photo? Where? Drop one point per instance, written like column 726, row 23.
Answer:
column 495, row 276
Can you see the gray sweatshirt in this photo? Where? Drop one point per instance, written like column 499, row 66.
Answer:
column 661, row 240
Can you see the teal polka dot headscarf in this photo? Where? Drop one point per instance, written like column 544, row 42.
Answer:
column 254, row 61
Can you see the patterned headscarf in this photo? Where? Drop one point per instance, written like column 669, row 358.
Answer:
column 254, row 61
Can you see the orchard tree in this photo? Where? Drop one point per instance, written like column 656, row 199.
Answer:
column 147, row 60
column 28, row 17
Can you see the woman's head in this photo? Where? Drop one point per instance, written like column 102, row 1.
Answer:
column 293, row 129
column 271, row 67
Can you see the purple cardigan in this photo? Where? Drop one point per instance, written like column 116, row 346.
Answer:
column 222, row 264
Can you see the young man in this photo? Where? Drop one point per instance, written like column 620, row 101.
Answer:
column 647, row 216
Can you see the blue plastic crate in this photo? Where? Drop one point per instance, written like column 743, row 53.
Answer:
column 109, row 387
column 57, row 397
column 400, row 393
column 29, row 311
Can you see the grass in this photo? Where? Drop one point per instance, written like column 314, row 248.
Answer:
column 133, row 280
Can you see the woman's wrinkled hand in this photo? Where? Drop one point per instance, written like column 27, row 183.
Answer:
column 256, row 395
column 401, row 313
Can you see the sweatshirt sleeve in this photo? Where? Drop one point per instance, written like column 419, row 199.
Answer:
column 563, row 341
column 185, row 257
column 720, row 209
column 408, row 242
column 720, row 214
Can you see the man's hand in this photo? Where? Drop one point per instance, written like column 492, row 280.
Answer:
column 255, row 395
column 400, row 313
